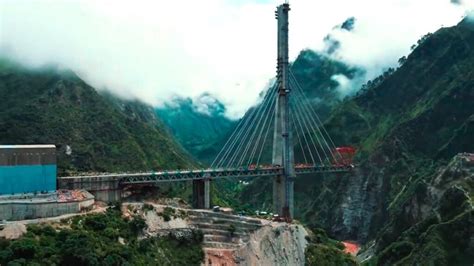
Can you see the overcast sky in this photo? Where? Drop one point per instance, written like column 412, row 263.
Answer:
column 155, row 50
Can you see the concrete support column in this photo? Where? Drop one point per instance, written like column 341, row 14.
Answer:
column 278, row 194
column 108, row 195
column 202, row 194
column 282, row 142
column 291, row 197
column 207, row 194
column 198, row 191
column 283, row 196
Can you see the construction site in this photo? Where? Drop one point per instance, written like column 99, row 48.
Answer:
column 28, row 187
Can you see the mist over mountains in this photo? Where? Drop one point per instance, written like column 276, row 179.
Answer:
column 150, row 51
column 401, row 92
column 92, row 131
column 199, row 125
column 407, row 125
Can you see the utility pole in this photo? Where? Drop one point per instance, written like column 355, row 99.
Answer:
column 282, row 140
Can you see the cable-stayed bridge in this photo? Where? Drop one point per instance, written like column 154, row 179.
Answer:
column 263, row 144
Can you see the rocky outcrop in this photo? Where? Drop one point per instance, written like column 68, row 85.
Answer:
column 228, row 239
column 431, row 221
column 12, row 230
column 275, row 244
column 357, row 206
column 223, row 231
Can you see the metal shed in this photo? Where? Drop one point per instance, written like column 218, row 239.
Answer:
column 27, row 169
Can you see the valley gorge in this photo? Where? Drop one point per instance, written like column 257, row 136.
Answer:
column 408, row 200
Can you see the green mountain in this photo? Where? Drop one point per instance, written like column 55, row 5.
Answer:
column 315, row 73
column 92, row 131
column 409, row 201
column 202, row 129
column 407, row 125
column 319, row 73
column 203, row 132
column 199, row 131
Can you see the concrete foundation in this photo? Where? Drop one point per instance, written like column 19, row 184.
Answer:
column 106, row 189
column 41, row 206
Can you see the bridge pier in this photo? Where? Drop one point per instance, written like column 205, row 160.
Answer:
column 106, row 189
column 109, row 195
column 283, row 196
column 202, row 194
column 278, row 194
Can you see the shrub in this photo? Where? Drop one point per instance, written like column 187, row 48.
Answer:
column 277, row 232
column 95, row 222
column 148, row 207
column 167, row 214
column 86, row 244
column 24, row 248
column 395, row 252
column 231, row 230
column 5, row 255
column 198, row 236
column 137, row 224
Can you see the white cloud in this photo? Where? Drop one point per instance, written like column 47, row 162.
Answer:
column 380, row 38
column 346, row 86
column 471, row 15
column 207, row 105
column 155, row 50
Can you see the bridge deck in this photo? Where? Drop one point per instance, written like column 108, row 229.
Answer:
column 186, row 175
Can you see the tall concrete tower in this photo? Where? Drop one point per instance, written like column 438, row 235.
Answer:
column 282, row 140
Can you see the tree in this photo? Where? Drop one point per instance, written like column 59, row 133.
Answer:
column 402, row 60
column 137, row 224
column 24, row 248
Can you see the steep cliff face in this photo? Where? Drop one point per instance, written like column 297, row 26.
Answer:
column 440, row 226
column 406, row 125
column 279, row 244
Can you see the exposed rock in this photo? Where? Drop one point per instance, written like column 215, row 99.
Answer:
column 13, row 231
column 443, row 224
column 228, row 239
column 275, row 244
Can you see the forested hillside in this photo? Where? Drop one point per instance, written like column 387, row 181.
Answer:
column 199, row 131
column 316, row 74
column 92, row 132
column 101, row 239
column 407, row 125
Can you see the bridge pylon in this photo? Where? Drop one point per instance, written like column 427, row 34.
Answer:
column 242, row 153
column 283, row 154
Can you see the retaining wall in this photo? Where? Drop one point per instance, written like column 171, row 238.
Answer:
column 13, row 210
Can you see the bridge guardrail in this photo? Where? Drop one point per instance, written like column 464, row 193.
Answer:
column 200, row 174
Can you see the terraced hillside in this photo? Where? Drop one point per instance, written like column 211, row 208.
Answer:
column 227, row 239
